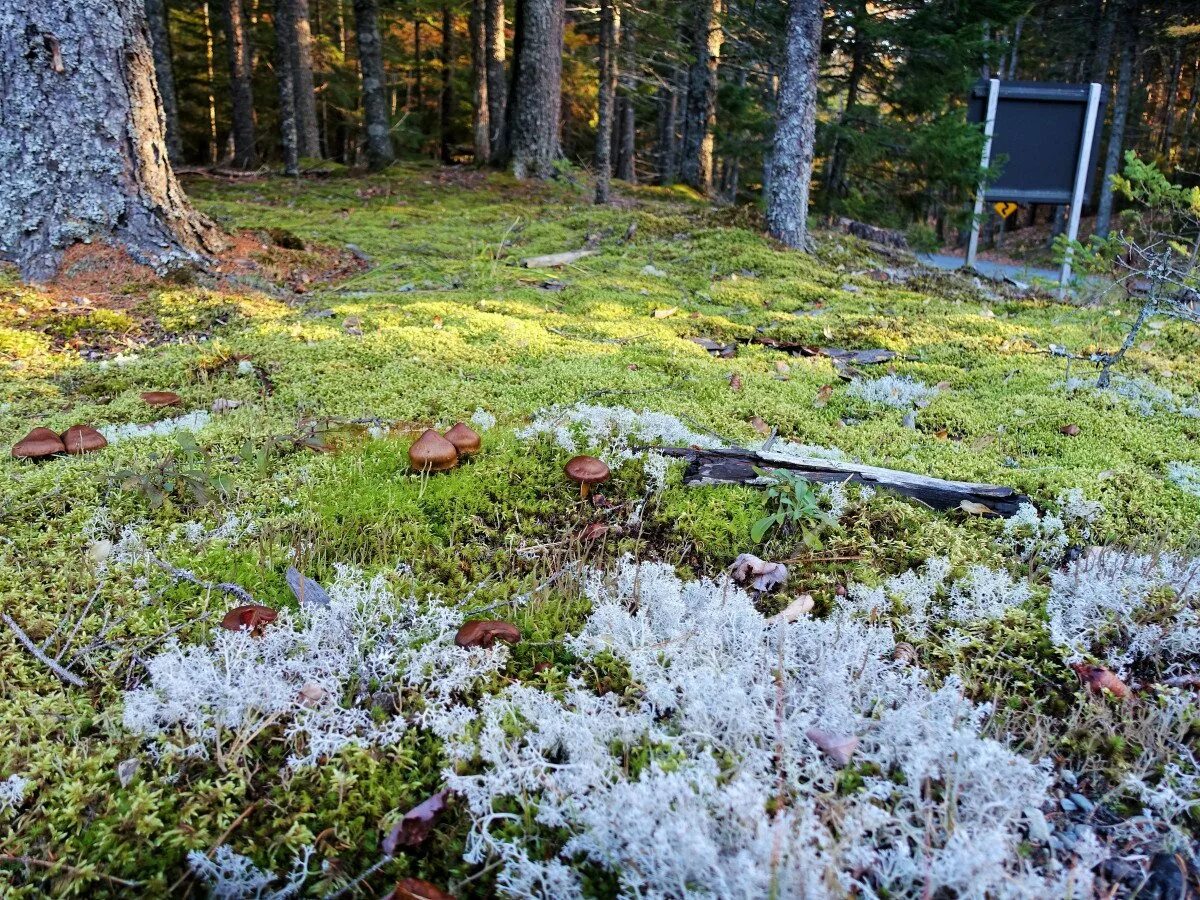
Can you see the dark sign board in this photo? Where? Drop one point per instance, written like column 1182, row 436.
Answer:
column 1036, row 139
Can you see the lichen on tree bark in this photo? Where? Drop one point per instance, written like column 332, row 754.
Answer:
column 82, row 139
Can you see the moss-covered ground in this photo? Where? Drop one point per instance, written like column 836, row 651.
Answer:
column 440, row 321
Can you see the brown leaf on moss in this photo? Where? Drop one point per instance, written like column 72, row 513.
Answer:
column 760, row 426
column 1070, row 430
column 1098, row 679
column 416, row 889
column 414, row 829
column 251, row 617
column 161, row 398
column 735, row 381
column 485, row 632
column 824, row 393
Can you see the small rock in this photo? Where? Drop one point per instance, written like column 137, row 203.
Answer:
column 653, row 270
column 1083, row 802
column 126, row 769
column 1039, row 828
column 1067, row 805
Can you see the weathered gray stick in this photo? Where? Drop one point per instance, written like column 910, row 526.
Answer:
column 68, row 677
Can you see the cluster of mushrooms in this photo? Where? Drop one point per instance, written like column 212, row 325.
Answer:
column 42, row 442
column 432, row 452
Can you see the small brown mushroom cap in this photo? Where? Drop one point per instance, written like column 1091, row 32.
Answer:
column 161, row 398
column 83, row 439
column 39, row 443
column 417, row 889
column 586, row 471
column 484, row 633
column 432, row 453
column 464, row 439
column 251, row 617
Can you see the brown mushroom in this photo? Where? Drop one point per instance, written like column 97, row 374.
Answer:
column 586, row 471
column 83, row 439
column 464, row 439
column 161, row 398
column 484, row 633
column 416, row 889
column 39, row 443
column 251, row 617
column 432, row 453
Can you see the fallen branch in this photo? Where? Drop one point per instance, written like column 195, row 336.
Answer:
column 72, row 870
column 736, row 466
column 225, row 587
column 63, row 674
column 554, row 260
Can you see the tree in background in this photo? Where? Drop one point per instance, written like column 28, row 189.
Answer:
column 160, row 44
column 795, row 126
column 288, row 135
column 610, row 29
column 92, row 164
column 241, row 90
column 696, row 146
column 374, row 99
column 536, row 101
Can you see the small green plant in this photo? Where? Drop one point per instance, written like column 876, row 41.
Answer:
column 796, row 507
column 185, row 477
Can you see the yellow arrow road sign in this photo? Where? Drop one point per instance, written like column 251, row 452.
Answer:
column 1004, row 208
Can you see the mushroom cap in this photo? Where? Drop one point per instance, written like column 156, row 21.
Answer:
column 586, row 470
column 38, row 443
column 252, row 616
column 432, row 453
column 161, row 398
column 485, row 632
column 83, row 439
column 464, row 439
column 417, row 889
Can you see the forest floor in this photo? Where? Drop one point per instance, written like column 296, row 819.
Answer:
column 952, row 704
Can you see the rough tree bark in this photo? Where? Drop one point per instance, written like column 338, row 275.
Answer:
column 625, row 160
column 446, row 106
column 795, row 125
column 536, row 99
column 284, row 75
column 696, row 150
column 1116, row 132
column 160, row 43
column 83, row 144
column 609, row 31
column 665, row 151
column 481, row 114
column 308, row 131
column 497, row 94
column 374, row 96
column 241, row 90
column 836, row 184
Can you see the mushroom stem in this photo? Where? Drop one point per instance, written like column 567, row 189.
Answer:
column 583, row 490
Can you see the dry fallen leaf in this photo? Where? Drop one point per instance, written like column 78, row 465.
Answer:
column 221, row 405
column 942, row 434
column 1070, row 430
column 765, row 575
column 1098, row 679
column 735, row 381
column 905, row 653
column 823, row 395
column 352, row 325
column 839, row 748
column 666, row 313
column 417, row 889
column 161, row 398
column 983, row 441
column 484, row 633
column 413, row 830
column 760, row 426
column 801, row 606
column 977, row 509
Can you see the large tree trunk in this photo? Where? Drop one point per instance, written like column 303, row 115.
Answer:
column 374, row 94
column 696, row 164
column 241, row 90
column 308, row 130
column 446, row 107
column 481, row 113
column 285, row 76
column 795, row 125
column 537, row 96
column 497, row 92
column 84, row 150
column 609, row 30
column 1116, row 133
column 160, row 43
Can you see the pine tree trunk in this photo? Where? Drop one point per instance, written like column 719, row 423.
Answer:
column 537, row 96
column 210, row 71
column 1120, row 113
column 446, row 107
column 308, row 130
column 609, row 30
column 160, row 43
column 374, row 94
column 241, row 90
column 285, row 77
column 696, row 164
column 497, row 92
column 626, row 158
column 795, row 125
column 481, row 113
column 836, row 185
column 665, row 151
column 84, row 154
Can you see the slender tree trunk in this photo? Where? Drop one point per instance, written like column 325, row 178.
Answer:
column 665, row 151
column 308, row 129
column 374, row 94
column 609, row 31
column 1173, row 82
column 160, row 43
column 626, row 156
column 1190, row 115
column 696, row 165
column 536, row 100
column 284, row 33
column 497, row 79
column 241, row 90
column 481, row 113
column 1116, row 134
column 445, row 145
column 79, row 78
column 836, row 184
column 1016, row 46
column 417, row 66
column 210, row 62
column 795, row 125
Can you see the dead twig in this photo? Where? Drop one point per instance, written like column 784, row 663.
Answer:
column 63, row 674
column 73, row 870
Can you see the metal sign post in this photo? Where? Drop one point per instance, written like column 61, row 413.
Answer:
column 1081, row 175
column 989, row 125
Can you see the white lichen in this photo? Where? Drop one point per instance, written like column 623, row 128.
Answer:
column 611, row 432
column 896, row 391
column 12, row 793
column 192, row 421
column 483, row 420
column 1185, row 476
column 229, row 875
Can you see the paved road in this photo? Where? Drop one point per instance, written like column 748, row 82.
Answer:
column 993, row 270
